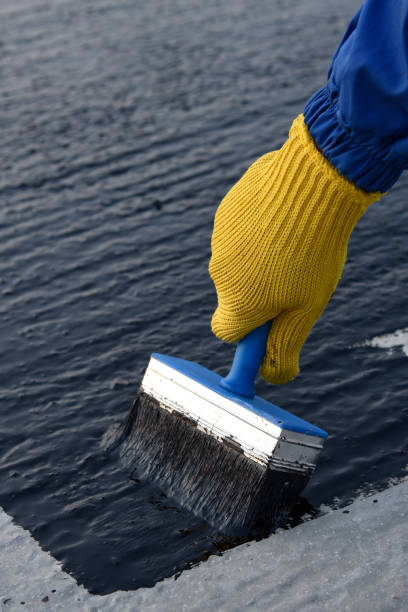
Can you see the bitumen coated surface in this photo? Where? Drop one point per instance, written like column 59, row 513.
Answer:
column 123, row 125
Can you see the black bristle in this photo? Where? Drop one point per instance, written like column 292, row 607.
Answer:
column 212, row 478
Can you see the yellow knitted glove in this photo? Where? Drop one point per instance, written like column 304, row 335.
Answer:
column 279, row 246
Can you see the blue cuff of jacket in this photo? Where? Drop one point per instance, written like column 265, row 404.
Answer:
column 360, row 162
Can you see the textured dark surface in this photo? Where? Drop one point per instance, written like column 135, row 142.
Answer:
column 123, row 124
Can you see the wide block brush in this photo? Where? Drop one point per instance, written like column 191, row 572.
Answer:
column 211, row 444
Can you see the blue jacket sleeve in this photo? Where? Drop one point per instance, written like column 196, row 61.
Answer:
column 359, row 119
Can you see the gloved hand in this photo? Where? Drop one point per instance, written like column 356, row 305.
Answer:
column 279, row 246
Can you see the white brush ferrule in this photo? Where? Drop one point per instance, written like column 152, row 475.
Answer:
column 220, row 415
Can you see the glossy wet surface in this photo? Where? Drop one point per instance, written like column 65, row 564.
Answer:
column 123, row 124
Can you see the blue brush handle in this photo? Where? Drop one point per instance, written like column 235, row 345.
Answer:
column 248, row 357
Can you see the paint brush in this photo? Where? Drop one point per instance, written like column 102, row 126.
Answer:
column 216, row 448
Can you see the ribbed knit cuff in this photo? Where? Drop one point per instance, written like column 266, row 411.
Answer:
column 361, row 162
column 342, row 197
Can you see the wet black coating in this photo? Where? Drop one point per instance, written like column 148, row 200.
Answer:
column 123, row 125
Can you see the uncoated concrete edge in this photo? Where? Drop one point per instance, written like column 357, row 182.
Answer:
column 349, row 559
